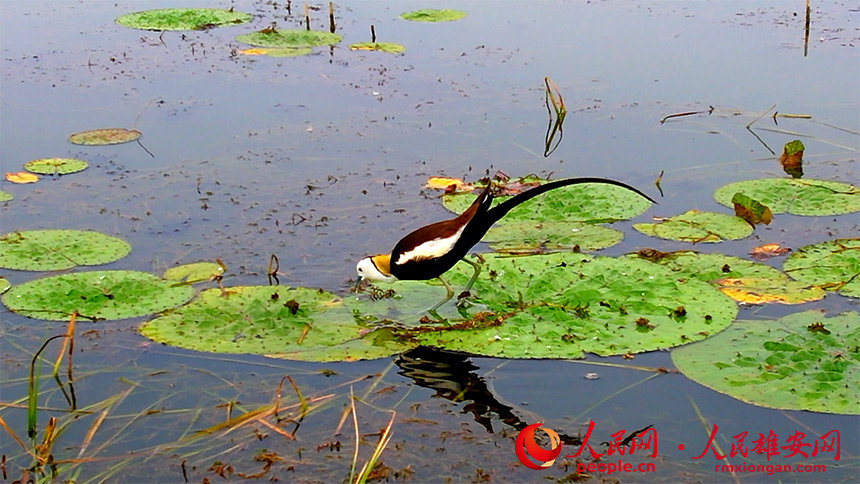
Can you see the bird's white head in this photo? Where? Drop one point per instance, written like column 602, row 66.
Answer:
column 375, row 268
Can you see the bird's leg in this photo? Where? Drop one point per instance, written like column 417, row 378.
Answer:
column 448, row 296
column 474, row 277
column 464, row 297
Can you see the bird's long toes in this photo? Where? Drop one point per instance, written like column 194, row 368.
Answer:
column 466, row 300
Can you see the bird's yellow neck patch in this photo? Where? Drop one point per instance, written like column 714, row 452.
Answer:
column 382, row 263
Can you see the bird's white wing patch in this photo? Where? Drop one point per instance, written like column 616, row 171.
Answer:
column 431, row 249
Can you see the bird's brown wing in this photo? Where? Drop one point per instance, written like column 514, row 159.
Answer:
column 434, row 240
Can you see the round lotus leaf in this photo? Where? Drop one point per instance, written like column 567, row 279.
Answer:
column 389, row 47
column 804, row 361
column 106, row 136
column 533, row 236
column 289, row 38
column 56, row 166
column 834, row 265
column 742, row 280
column 4, row 285
column 696, row 227
column 433, row 15
column 563, row 305
column 5, row 196
column 588, row 202
column 277, row 321
column 196, row 272
column 795, row 196
column 50, row 250
column 96, row 295
column 181, row 18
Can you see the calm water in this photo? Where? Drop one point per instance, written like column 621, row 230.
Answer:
column 237, row 140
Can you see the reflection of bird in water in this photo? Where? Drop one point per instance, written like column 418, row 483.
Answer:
column 453, row 376
column 432, row 250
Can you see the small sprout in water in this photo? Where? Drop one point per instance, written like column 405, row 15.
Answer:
column 293, row 306
column 644, row 323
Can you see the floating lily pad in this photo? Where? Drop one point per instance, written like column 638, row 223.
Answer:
column 433, row 15
column 834, row 264
column 55, row 166
column 97, row 294
column 106, row 136
column 196, row 272
column 5, row 196
column 22, row 177
column 4, row 285
column 182, row 19
column 588, row 202
column 752, row 290
column 277, row 321
column 563, row 305
column 696, row 227
column 289, row 38
column 742, row 280
column 289, row 52
column 804, row 361
column 751, row 210
column 389, row 47
column 532, row 236
column 799, row 197
column 49, row 250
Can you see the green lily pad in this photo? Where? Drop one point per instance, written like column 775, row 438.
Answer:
column 588, row 202
column 196, row 272
column 804, row 361
column 834, row 264
column 277, row 321
column 289, row 38
column 96, row 294
column 389, row 47
column 532, row 236
column 55, row 166
column 5, row 196
column 4, row 285
column 742, row 280
column 433, row 15
column 105, row 136
column 49, row 250
column 799, row 197
column 181, row 19
column 696, row 227
column 562, row 305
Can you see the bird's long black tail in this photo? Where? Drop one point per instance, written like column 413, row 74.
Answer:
column 503, row 208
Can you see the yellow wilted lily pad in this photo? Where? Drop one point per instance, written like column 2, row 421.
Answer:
column 389, row 47
column 22, row 177
column 761, row 290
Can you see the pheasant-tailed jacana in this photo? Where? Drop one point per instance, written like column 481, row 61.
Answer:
column 430, row 251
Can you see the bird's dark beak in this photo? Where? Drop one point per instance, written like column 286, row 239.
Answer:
column 357, row 285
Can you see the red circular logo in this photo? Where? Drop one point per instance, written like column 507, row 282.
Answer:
column 528, row 450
